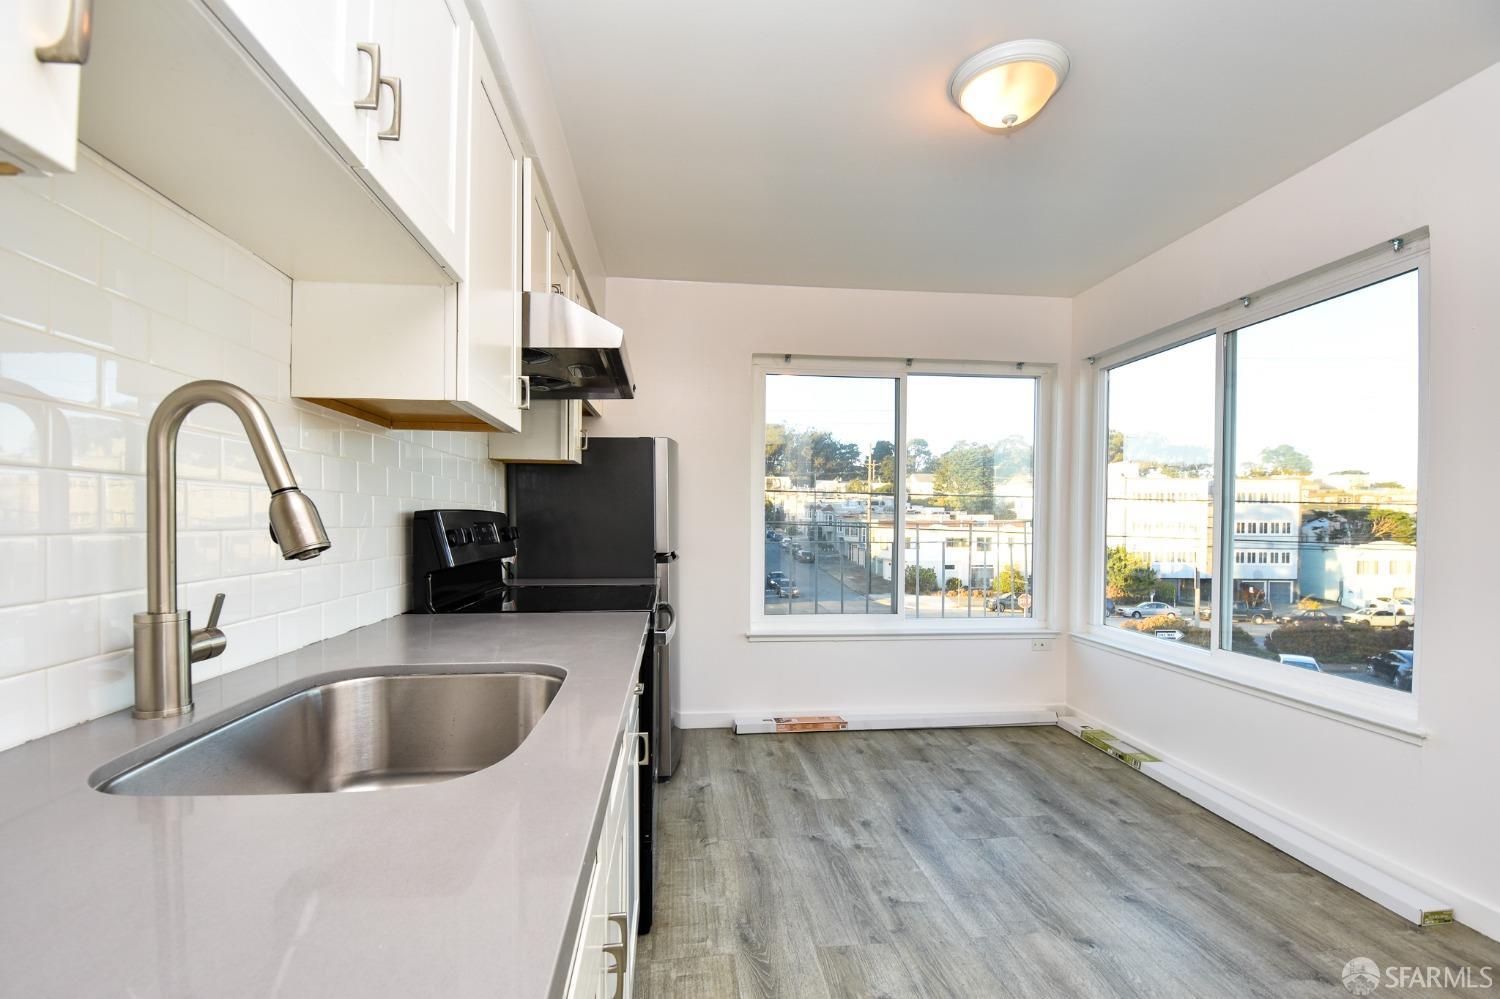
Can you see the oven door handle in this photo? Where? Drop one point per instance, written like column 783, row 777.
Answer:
column 664, row 635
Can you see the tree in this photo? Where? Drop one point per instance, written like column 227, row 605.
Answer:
column 1114, row 448
column 1127, row 575
column 929, row 579
column 953, row 584
column 1393, row 525
column 964, row 478
column 919, row 457
column 1283, row 459
column 805, row 456
column 1010, row 580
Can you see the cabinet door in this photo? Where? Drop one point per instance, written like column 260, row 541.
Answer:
column 39, row 106
column 538, row 264
column 420, row 167
column 552, row 433
column 311, row 51
column 489, row 318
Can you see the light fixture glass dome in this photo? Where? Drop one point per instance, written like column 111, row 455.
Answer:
column 1007, row 84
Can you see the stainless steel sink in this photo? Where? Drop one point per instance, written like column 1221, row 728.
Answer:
column 363, row 733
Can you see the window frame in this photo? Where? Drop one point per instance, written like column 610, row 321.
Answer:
column 898, row 625
column 1388, row 711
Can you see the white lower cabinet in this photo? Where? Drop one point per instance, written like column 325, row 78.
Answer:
column 604, row 956
column 553, row 432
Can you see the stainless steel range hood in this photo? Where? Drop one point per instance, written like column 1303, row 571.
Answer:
column 570, row 353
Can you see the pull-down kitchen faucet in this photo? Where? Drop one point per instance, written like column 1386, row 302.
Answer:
column 165, row 644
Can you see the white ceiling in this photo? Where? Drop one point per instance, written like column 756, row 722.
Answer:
column 812, row 142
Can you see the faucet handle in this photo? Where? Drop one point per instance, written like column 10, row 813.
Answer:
column 216, row 610
column 208, row 642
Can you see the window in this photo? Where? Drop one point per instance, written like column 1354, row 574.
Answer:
column 1324, row 435
column 897, row 493
column 1158, row 502
column 1306, row 403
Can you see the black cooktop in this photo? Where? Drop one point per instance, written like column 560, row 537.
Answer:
column 547, row 598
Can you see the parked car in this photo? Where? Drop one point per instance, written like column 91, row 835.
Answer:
column 1402, row 606
column 802, row 555
column 786, row 542
column 1379, row 618
column 1001, row 601
column 1243, row 611
column 1309, row 619
column 1394, row 667
column 1151, row 608
column 1301, row 662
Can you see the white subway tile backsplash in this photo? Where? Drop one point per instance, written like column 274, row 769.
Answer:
column 275, row 592
column 178, row 238
column 87, row 313
column 23, row 579
column 110, row 298
column 23, row 703
column 81, row 564
column 103, row 442
column 35, row 636
column 23, row 291
column 257, row 282
column 109, row 200
column 70, row 501
column 49, row 233
column 23, row 432
column 47, row 367
column 131, row 271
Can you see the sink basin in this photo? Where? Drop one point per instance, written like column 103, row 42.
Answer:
column 363, row 733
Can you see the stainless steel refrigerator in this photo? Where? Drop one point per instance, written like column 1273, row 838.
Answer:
column 612, row 517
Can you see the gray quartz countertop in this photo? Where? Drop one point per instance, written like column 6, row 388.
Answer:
column 469, row 887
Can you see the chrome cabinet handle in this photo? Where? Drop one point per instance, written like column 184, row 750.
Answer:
column 393, row 133
column 584, row 435
column 371, row 100
column 73, row 45
column 643, row 750
column 525, row 402
column 556, row 288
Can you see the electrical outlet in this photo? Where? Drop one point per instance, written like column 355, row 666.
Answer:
column 1041, row 645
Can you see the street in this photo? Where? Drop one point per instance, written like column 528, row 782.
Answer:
column 832, row 586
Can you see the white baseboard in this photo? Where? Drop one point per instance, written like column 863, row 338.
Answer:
column 750, row 724
column 1396, row 893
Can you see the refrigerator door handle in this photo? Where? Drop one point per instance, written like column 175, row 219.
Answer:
column 665, row 633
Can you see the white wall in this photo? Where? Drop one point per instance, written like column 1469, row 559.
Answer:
column 1428, row 813
column 691, row 347
column 110, row 297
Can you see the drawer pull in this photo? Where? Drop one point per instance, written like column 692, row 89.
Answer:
column 73, row 45
column 392, row 134
column 371, row 100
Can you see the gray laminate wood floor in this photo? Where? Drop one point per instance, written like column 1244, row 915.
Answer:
column 987, row 862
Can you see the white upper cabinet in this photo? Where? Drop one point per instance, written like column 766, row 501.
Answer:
column 417, row 157
column 313, row 52
column 489, row 310
column 38, row 96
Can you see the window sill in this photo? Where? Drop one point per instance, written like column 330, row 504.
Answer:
column 855, row 631
column 1385, row 712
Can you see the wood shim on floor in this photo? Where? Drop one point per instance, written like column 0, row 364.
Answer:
column 1398, row 896
column 852, row 722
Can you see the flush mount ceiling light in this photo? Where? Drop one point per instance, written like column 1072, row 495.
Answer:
column 1007, row 84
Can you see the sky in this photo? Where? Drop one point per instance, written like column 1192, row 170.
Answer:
column 944, row 408
column 1336, row 380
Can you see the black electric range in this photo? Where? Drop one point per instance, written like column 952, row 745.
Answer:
column 459, row 567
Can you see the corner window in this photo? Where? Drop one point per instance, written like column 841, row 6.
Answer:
column 897, row 494
column 1259, row 480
